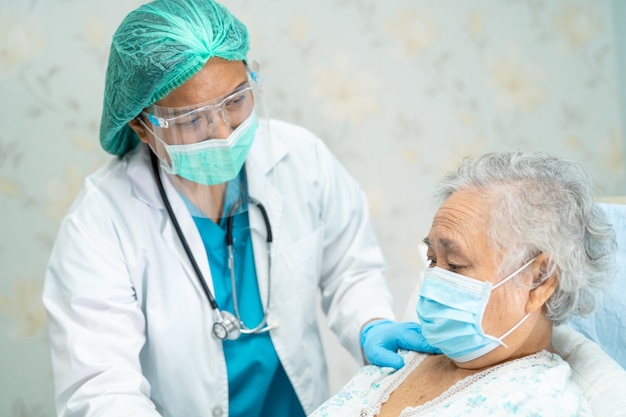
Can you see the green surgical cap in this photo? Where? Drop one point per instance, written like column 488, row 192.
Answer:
column 156, row 48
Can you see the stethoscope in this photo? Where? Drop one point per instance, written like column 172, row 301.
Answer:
column 225, row 325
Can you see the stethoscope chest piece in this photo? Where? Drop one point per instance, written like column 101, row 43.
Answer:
column 227, row 328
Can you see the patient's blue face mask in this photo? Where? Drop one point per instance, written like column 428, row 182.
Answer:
column 451, row 308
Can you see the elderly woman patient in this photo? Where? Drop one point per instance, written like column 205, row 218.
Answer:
column 516, row 247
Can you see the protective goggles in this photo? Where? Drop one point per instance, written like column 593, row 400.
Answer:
column 189, row 124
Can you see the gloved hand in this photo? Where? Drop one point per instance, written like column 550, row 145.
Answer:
column 380, row 340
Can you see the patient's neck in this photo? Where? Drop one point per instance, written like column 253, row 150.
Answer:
column 434, row 375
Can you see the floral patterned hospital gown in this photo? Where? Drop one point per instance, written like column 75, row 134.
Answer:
column 534, row 386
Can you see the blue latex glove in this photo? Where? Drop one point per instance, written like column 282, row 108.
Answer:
column 381, row 339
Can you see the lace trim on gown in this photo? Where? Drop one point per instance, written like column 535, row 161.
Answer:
column 458, row 387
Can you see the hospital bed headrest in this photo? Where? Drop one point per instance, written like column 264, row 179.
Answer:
column 601, row 379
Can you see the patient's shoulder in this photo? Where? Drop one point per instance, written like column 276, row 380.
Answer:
column 540, row 384
column 369, row 386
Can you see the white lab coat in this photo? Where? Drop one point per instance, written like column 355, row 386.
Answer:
column 130, row 326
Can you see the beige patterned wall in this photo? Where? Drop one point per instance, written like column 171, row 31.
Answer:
column 399, row 90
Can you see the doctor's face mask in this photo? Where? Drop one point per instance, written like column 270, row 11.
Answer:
column 451, row 308
column 207, row 143
column 212, row 162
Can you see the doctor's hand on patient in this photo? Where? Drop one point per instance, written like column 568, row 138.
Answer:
column 380, row 340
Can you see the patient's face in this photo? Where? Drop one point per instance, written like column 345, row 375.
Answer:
column 458, row 242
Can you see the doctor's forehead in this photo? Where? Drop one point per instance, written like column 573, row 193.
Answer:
column 217, row 78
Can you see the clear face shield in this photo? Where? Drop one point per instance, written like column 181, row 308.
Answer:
column 203, row 147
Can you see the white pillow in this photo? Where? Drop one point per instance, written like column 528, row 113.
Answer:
column 601, row 379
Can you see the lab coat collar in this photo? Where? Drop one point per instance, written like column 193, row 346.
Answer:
column 267, row 150
column 139, row 170
column 263, row 182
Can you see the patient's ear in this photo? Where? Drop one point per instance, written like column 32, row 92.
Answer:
column 546, row 284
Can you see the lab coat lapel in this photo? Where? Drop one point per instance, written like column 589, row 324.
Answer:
column 191, row 234
column 261, row 190
column 265, row 154
column 140, row 172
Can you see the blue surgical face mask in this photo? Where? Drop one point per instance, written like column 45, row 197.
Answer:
column 451, row 308
column 214, row 161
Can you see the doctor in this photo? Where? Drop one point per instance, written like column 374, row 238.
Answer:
column 184, row 279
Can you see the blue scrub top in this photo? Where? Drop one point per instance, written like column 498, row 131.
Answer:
column 257, row 382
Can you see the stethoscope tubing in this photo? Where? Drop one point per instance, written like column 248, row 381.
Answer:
column 225, row 325
column 261, row 327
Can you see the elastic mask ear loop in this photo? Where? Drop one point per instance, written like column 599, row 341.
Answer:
column 501, row 338
column 517, row 271
column 519, row 323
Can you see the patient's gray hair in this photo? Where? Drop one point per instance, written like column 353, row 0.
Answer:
column 541, row 203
